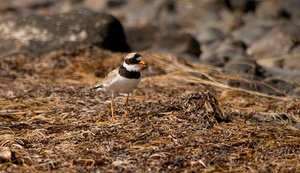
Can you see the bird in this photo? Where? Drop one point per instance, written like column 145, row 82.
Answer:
column 123, row 79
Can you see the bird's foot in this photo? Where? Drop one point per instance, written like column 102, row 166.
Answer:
column 113, row 120
column 125, row 115
column 108, row 122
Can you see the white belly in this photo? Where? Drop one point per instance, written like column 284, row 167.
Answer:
column 121, row 85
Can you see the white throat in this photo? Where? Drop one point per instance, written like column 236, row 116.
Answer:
column 135, row 67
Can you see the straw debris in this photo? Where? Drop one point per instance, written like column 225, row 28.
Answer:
column 184, row 118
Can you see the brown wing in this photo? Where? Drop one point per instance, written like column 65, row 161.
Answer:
column 108, row 78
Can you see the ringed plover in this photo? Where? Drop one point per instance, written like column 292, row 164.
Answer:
column 123, row 79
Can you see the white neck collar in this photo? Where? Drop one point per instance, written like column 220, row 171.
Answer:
column 135, row 67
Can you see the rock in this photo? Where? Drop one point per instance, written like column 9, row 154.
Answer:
column 115, row 3
column 245, row 67
column 253, row 86
column 153, row 12
column 139, row 12
column 163, row 39
column 280, row 84
column 41, row 34
column 295, row 92
column 220, row 53
column 269, row 10
column 229, row 22
column 31, row 3
column 37, row 7
column 275, row 43
column 141, row 37
column 291, row 7
column 270, row 62
column 252, row 69
column 167, row 11
column 296, row 49
column 292, row 29
column 195, row 13
column 285, row 74
column 208, row 35
column 177, row 43
column 96, row 5
column 292, row 63
column 241, row 6
column 249, row 33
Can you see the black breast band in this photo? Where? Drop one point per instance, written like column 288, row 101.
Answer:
column 129, row 74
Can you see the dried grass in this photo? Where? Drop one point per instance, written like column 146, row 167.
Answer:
column 184, row 119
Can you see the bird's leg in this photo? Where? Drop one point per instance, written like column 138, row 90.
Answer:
column 112, row 107
column 127, row 112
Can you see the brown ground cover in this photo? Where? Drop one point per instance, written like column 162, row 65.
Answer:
column 184, row 118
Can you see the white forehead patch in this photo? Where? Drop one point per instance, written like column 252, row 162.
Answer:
column 139, row 58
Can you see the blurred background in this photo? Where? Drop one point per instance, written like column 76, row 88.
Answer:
column 214, row 32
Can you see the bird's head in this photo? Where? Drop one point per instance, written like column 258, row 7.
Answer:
column 134, row 62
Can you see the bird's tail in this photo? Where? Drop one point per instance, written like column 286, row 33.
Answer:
column 98, row 87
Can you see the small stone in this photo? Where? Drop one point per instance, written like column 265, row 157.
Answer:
column 5, row 154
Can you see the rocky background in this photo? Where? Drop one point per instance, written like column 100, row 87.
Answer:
column 221, row 91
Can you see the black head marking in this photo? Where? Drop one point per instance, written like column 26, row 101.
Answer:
column 133, row 60
column 136, row 56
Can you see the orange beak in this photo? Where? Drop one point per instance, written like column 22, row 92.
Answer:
column 142, row 64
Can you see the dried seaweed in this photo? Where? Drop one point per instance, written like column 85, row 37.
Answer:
column 184, row 118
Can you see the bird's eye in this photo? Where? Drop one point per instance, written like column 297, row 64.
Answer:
column 139, row 58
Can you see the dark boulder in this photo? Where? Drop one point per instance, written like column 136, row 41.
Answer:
column 41, row 34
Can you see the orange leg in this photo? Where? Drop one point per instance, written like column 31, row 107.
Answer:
column 112, row 107
column 127, row 112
